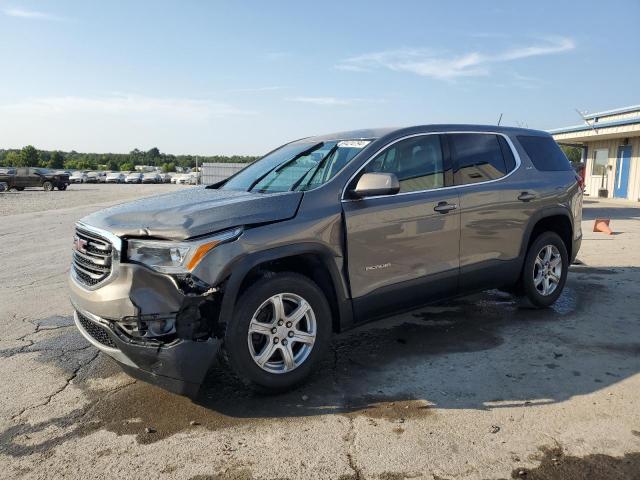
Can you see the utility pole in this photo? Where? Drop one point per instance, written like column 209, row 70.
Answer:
column 197, row 178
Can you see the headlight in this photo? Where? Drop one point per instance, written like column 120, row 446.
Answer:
column 176, row 257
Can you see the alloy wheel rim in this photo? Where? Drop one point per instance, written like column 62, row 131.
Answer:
column 282, row 333
column 547, row 270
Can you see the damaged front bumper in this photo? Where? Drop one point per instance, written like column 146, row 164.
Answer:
column 117, row 317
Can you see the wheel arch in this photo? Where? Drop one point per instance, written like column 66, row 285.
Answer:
column 315, row 261
column 555, row 219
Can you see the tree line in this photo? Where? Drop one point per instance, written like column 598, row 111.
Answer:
column 29, row 156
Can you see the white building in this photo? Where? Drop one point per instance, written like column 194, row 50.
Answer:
column 610, row 145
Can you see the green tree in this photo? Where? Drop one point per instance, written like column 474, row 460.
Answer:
column 85, row 163
column 136, row 156
column 574, row 154
column 12, row 159
column 127, row 166
column 112, row 165
column 168, row 167
column 152, row 156
column 28, row 157
column 70, row 164
column 43, row 158
column 56, row 160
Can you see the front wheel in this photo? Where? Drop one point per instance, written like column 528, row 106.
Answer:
column 545, row 270
column 48, row 186
column 279, row 332
column 62, row 186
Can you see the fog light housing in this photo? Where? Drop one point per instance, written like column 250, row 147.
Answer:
column 160, row 327
column 149, row 326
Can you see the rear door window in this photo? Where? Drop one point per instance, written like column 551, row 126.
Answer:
column 545, row 153
column 477, row 157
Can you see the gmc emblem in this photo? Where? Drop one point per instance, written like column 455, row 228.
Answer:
column 79, row 244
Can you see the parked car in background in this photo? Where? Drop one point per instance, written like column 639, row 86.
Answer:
column 151, row 177
column 115, row 177
column 183, row 179
column 194, row 178
column 92, row 177
column 318, row 236
column 134, row 177
column 166, row 177
column 175, row 177
column 78, row 177
column 102, row 176
column 25, row 177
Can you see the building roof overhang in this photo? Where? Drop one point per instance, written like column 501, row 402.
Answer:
column 629, row 127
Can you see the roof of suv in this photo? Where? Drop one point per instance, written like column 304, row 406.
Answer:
column 375, row 133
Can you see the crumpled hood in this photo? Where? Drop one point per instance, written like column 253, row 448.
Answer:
column 194, row 212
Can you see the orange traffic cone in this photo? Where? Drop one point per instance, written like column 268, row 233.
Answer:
column 602, row 225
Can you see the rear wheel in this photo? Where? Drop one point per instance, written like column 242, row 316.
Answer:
column 48, row 186
column 545, row 270
column 279, row 332
column 62, row 186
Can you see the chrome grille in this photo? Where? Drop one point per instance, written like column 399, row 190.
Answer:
column 96, row 331
column 92, row 258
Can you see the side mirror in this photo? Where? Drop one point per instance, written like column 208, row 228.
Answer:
column 372, row 184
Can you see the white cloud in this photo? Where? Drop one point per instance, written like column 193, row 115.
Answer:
column 124, row 104
column 332, row 101
column 256, row 89
column 428, row 63
column 119, row 122
column 31, row 14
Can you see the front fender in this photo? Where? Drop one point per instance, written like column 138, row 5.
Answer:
column 241, row 268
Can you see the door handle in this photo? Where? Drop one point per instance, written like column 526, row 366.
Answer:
column 445, row 207
column 526, row 196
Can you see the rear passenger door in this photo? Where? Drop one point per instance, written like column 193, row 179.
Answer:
column 402, row 249
column 490, row 224
column 23, row 178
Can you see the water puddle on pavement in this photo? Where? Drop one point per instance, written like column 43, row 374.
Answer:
column 359, row 377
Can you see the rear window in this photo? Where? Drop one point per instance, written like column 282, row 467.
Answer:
column 545, row 153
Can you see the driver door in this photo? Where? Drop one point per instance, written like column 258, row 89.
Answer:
column 403, row 249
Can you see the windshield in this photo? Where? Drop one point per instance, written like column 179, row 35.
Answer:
column 296, row 167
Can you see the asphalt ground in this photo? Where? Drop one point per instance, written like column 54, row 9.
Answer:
column 477, row 388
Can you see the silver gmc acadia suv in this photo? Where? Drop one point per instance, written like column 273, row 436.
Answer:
column 320, row 235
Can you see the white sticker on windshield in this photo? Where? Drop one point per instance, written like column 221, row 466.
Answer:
column 353, row 143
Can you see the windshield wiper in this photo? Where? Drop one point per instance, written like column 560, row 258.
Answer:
column 284, row 164
column 314, row 169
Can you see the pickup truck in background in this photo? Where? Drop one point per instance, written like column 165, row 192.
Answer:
column 25, row 177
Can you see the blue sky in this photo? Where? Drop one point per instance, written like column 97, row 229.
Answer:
column 242, row 77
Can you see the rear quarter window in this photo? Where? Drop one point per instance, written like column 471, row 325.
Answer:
column 545, row 153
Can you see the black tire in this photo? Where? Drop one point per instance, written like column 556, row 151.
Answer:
column 236, row 351
column 48, row 186
column 14, row 189
column 62, row 186
column 533, row 298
